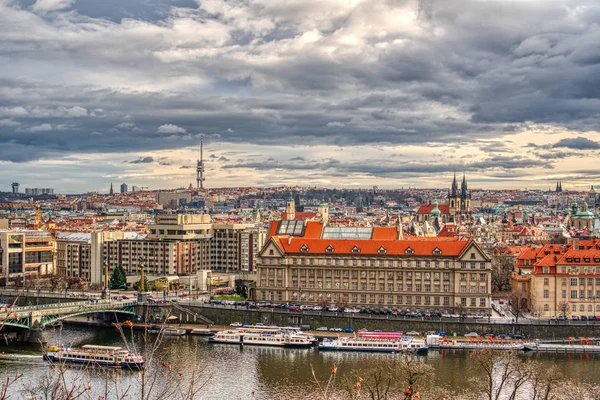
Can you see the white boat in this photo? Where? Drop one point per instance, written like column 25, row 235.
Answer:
column 436, row 342
column 386, row 342
column 562, row 348
column 261, row 338
column 201, row 332
column 359, row 344
column 169, row 331
column 109, row 356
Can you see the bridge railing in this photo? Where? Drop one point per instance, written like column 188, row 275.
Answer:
column 62, row 307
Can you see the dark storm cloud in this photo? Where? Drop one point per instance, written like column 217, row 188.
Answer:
column 142, row 160
column 577, row 143
column 106, row 76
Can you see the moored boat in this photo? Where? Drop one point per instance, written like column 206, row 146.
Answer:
column 108, row 356
column 261, row 338
column 562, row 348
column 201, row 332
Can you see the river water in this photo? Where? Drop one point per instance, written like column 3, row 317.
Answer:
column 231, row 372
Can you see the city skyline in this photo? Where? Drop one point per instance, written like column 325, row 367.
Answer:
column 329, row 94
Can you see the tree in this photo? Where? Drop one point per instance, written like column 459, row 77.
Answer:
column 517, row 303
column 240, row 288
column 118, row 279
column 502, row 267
column 563, row 309
column 136, row 286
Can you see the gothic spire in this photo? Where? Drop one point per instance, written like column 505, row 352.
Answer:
column 454, row 190
column 463, row 187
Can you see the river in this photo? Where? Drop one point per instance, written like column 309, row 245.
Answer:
column 231, row 372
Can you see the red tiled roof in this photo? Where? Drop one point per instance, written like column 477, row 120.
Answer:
column 581, row 255
column 300, row 215
column 313, row 229
column 385, row 233
column 427, row 208
column 392, row 247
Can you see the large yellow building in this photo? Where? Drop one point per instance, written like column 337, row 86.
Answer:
column 307, row 262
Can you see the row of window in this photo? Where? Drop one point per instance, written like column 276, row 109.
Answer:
column 376, row 299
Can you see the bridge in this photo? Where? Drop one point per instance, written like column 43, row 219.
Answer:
column 36, row 318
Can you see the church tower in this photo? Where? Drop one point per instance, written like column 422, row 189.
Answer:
column 290, row 210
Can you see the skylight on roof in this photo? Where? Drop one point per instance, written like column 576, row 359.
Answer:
column 352, row 233
column 292, row 228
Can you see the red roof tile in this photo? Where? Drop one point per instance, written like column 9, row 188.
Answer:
column 385, row 233
column 427, row 208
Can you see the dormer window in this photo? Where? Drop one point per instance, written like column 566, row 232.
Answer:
column 437, row 251
column 356, row 249
column 597, row 260
column 329, row 249
column 569, row 260
column 304, row 249
column 586, row 259
column 409, row 251
column 472, row 256
column 382, row 250
column 577, row 259
column 271, row 253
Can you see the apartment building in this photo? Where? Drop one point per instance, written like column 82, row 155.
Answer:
column 81, row 254
column 25, row 253
column 234, row 247
column 560, row 279
column 307, row 262
column 177, row 244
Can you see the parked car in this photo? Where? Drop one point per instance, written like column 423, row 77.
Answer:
column 334, row 309
column 294, row 308
column 352, row 310
column 349, row 330
column 247, row 324
column 235, row 324
column 322, row 328
column 317, row 308
column 518, row 336
column 583, row 318
column 472, row 334
column 338, row 330
column 575, row 318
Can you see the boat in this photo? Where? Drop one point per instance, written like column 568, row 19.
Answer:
column 561, row 347
column 109, row 356
column 201, row 332
column 436, row 342
column 261, row 338
column 386, row 342
column 169, row 331
column 358, row 344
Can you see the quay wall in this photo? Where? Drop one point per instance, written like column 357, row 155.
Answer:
column 225, row 316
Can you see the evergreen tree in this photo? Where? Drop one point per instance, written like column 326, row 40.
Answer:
column 136, row 286
column 118, row 280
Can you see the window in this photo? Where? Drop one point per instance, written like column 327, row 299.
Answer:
column 463, row 265
column 573, row 294
column 546, row 294
column 546, row 281
column 546, row 307
column 304, row 249
column 481, row 302
column 472, row 256
column 463, row 301
column 382, row 250
column 329, row 249
column 409, row 251
column 473, row 302
column 437, row 251
column 573, row 281
column 446, row 301
column 356, row 249
column 417, row 299
column 564, row 294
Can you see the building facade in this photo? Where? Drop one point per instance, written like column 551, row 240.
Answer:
column 561, row 279
column 305, row 262
column 26, row 254
column 234, row 247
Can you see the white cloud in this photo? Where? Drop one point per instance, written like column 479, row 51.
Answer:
column 43, row 6
column 77, row 111
column 41, row 128
column 9, row 122
column 335, row 124
column 170, row 128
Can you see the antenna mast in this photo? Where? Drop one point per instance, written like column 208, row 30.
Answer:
column 200, row 166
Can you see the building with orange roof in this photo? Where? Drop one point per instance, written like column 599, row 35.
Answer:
column 561, row 279
column 308, row 262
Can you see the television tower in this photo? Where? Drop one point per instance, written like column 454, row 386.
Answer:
column 200, row 167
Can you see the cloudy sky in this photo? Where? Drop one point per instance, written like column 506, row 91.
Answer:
column 339, row 93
